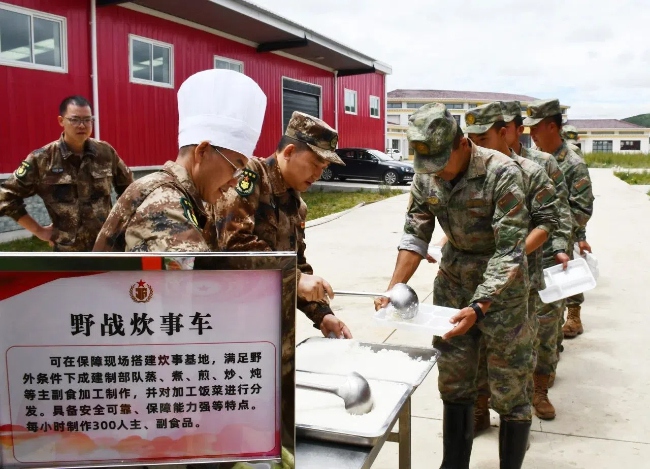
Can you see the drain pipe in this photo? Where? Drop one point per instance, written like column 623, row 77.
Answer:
column 93, row 58
column 336, row 100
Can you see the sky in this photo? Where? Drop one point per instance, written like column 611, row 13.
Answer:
column 593, row 55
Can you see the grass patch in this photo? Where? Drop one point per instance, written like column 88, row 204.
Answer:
column 32, row 244
column 634, row 178
column 322, row 204
column 624, row 160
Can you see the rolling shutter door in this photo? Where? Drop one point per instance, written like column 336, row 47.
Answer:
column 298, row 96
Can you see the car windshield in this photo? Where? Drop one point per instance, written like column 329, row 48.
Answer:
column 381, row 155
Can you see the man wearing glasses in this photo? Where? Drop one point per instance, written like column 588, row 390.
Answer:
column 220, row 120
column 74, row 176
column 265, row 212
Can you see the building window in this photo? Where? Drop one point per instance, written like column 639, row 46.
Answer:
column 392, row 119
column 394, row 105
column 151, row 62
column 414, row 105
column 457, row 119
column 374, row 106
column 603, row 146
column 472, row 105
column 350, row 102
column 454, row 105
column 228, row 64
column 32, row 39
column 630, row 144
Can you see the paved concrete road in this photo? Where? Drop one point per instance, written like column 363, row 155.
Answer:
column 602, row 393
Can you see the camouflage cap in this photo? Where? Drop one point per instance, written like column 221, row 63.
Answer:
column 569, row 133
column 510, row 109
column 541, row 109
column 431, row 133
column 320, row 137
column 480, row 119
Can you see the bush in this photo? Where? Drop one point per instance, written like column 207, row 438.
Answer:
column 623, row 160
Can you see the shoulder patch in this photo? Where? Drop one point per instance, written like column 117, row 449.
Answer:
column 544, row 196
column 246, row 183
column 188, row 212
column 508, row 202
column 557, row 176
column 22, row 169
column 582, row 185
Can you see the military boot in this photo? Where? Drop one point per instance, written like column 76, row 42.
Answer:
column 551, row 380
column 573, row 326
column 481, row 414
column 456, row 435
column 513, row 442
column 543, row 407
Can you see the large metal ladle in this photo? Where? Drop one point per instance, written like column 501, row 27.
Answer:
column 402, row 297
column 355, row 392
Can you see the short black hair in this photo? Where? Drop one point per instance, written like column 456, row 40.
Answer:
column 557, row 118
column 498, row 125
column 457, row 138
column 285, row 141
column 518, row 120
column 76, row 100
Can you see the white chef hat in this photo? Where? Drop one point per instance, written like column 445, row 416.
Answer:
column 223, row 107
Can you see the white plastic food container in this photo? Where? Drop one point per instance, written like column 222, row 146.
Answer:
column 592, row 262
column 435, row 251
column 577, row 278
column 431, row 319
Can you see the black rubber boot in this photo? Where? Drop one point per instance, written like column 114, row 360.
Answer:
column 457, row 435
column 513, row 441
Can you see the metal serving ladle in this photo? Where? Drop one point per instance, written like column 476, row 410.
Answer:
column 401, row 296
column 355, row 392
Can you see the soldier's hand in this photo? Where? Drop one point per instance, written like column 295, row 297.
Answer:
column 45, row 234
column 381, row 302
column 562, row 258
column 464, row 320
column 314, row 288
column 430, row 259
column 333, row 325
column 584, row 246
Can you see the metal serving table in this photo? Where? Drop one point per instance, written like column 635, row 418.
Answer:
column 319, row 454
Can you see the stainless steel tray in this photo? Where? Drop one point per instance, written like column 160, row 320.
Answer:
column 429, row 355
column 361, row 438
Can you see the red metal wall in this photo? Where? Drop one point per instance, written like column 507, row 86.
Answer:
column 361, row 130
column 29, row 99
column 141, row 121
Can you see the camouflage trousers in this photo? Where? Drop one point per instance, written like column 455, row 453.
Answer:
column 546, row 341
column 482, row 382
column 508, row 340
column 575, row 300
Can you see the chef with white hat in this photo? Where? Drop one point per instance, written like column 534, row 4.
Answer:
column 220, row 120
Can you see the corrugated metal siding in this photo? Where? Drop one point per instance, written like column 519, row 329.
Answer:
column 30, row 99
column 361, row 130
column 141, row 121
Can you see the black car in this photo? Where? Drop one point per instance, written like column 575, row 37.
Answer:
column 364, row 163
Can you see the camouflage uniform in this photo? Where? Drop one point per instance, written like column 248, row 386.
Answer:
column 485, row 218
column 262, row 213
column 76, row 190
column 161, row 212
column 570, row 136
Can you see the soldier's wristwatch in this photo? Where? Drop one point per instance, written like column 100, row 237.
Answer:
column 480, row 315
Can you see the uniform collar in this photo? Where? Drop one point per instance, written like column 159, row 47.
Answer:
column 278, row 183
column 476, row 166
column 89, row 148
column 182, row 176
column 561, row 152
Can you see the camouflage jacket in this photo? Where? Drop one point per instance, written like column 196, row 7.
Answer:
column 263, row 214
column 576, row 149
column 485, row 218
column 543, row 207
column 581, row 198
column 76, row 191
column 562, row 236
column 161, row 212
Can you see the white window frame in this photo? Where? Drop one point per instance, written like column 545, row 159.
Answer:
column 45, row 16
column 153, row 42
column 230, row 61
column 356, row 101
column 378, row 100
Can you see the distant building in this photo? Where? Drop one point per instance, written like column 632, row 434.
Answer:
column 611, row 136
column 402, row 103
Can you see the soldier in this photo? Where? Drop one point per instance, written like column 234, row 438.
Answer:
column 545, row 122
column 477, row 196
column 74, row 176
column 220, row 120
column 264, row 212
column 486, row 127
column 570, row 136
column 549, row 317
